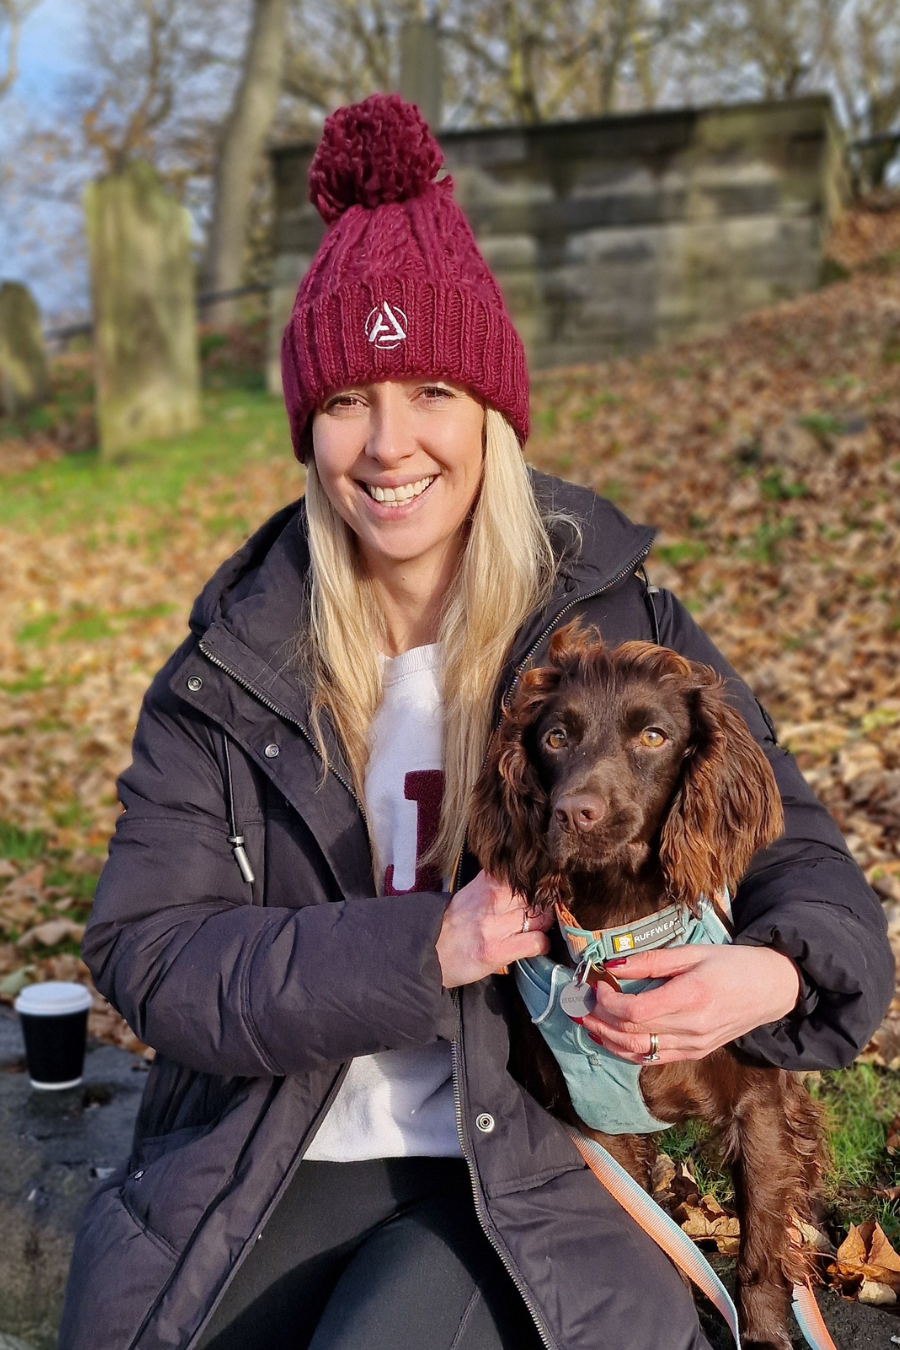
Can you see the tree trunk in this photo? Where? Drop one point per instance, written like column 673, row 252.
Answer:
column 242, row 140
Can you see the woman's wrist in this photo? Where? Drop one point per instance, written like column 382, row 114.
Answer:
column 787, row 973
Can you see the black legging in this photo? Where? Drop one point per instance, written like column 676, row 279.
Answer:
column 381, row 1255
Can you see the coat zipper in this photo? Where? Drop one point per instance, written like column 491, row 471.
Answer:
column 480, row 1210
column 336, row 1086
column 517, row 674
column 285, row 716
column 579, row 600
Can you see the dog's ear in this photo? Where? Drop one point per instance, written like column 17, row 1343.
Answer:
column 508, row 820
column 726, row 805
column 572, row 645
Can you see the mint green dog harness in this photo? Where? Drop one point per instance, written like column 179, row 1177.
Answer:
column 604, row 1089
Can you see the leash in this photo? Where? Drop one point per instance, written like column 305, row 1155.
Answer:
column 676, row 1244
column 656, row 1223
column 809, row 1319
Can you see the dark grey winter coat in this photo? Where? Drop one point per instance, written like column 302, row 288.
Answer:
column 256, row 996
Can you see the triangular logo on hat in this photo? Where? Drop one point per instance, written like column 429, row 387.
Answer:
column 383, row 326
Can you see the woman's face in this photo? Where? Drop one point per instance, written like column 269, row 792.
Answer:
column 400, row 461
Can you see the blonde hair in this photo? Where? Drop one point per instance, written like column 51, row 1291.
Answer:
column 505, row 571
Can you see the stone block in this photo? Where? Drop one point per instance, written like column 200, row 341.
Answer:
column 609, row 234
column 145, row 325
column 57, row 1148
column 23, row 364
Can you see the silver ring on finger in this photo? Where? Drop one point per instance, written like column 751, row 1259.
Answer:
column 653, row 1055
column 526, row 922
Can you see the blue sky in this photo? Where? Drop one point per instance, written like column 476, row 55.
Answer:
column 51, row 52
column 50, row 48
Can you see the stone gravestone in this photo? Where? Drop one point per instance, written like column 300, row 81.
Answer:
column 145, row 326
column 23, row 364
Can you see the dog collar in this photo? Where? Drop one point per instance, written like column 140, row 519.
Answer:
column 594, row 947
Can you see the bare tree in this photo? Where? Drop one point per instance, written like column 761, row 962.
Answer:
column 865, row 55
column 505, row 60
column 12, row 15
column 339, row 52
column 154, row 86
column 154, row 82
column 759, row 48
column 239, row 151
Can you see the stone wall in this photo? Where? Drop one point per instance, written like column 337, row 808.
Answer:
column 610, row 234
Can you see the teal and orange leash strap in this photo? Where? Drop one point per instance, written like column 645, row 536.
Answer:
column 679, row 1248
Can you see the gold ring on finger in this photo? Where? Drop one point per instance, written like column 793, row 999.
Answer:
column 653, row 1055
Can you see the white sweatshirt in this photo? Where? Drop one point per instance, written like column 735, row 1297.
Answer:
column 400, row 1102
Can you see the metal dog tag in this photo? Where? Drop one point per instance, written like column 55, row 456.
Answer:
column 577, row 999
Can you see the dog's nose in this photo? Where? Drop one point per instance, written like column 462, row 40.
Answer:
column 579, row 811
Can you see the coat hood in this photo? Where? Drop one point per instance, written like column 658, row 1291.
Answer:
column 258, row 596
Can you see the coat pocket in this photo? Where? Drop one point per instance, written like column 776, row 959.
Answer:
column 117, row 1273
column 180, row 1177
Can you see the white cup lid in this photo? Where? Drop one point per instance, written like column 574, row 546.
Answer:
column 53, row 998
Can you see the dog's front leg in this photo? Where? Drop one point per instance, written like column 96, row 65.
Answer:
column 774, row 1139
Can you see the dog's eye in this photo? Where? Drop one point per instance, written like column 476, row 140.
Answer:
column 653, row 737
column 556, row 739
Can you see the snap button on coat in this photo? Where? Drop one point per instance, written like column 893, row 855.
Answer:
column 194, row 683
column 484, row 1122
column 271, row 751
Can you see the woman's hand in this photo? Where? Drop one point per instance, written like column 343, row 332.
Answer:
column 712, row 994
column 482, row 931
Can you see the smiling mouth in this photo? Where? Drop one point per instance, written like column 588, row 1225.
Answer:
column 398, row 496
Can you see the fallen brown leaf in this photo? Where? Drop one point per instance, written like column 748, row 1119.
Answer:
column 49, row 933
column 673, row 1184
column 871, row 1291
column 865, row 1254
column 809, row 1237
column 15, row 914
column 28, row 886
column 892, row 1142
column 707, row 1221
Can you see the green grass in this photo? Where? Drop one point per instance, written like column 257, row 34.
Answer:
column 764, row 544
column 238, row 427
column 84, row 625
column 682, row 553
column 861, row 1103
column 822, row 425
column 28, row 847
column 774, row 489
column 695, row 1144
column 606, row 399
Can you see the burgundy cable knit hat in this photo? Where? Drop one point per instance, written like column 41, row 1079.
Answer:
column 397, row 288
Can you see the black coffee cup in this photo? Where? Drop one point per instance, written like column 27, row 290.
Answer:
column 54, row 1024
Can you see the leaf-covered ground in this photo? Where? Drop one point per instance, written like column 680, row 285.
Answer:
column 768, row 456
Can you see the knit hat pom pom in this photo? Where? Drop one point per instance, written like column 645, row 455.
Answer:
column 372, row 153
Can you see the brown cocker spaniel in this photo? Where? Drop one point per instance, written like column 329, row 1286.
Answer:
column 618, row 783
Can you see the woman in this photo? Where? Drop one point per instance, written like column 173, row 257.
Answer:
column 263, row 932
